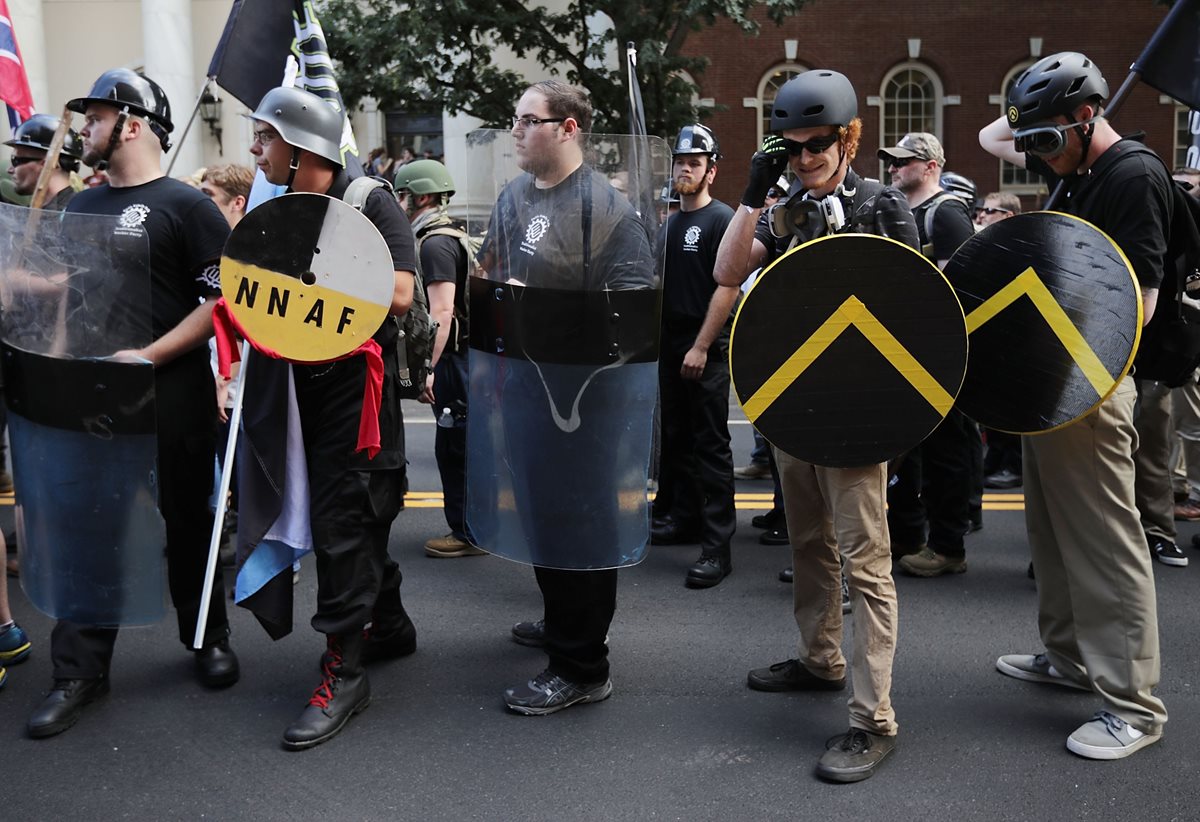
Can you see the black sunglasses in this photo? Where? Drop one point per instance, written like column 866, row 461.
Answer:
column 990, row 210
column 814, row 146
column 901, row 162
column 16, row 162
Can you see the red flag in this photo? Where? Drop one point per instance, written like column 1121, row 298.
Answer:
column 14, row 85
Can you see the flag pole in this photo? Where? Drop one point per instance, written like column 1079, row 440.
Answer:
column 214, row 542
column 51, row 161
column 195, row 110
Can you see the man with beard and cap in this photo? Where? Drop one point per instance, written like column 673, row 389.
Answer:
column 929, row 504
column 353, row 497
column 697, row 462
column 830, row 511
column 127, row 120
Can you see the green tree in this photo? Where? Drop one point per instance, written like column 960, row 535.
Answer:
column 435, row 54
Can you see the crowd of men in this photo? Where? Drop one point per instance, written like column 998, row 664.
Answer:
column 1100, row 495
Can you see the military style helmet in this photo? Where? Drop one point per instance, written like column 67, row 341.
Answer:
column 38, row 132
column 303, row 120
column 136, row 93
column 424, row 177
column 815, row 98
column 1053, row 86
column 697, row 139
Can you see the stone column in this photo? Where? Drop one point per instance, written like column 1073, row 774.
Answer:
column 167, row 44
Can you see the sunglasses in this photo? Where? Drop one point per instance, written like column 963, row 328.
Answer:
column 901, row 162
column 17, row 162
column 990, row 210
column 814, row 146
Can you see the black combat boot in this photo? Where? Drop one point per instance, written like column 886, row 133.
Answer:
column 343, row 692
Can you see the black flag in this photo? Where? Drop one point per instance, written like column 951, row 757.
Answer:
column 249, row 58
column 1171, row 60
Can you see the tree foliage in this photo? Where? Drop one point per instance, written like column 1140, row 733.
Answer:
column 425, row 55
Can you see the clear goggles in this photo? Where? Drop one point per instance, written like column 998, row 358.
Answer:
column 1045, row 139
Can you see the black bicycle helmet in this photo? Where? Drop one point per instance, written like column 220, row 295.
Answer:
column 1054, row 86
column 815, row 98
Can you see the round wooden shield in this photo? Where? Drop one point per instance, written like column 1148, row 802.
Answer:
column 848, row 350
column 1054, row 316
column 308, row 277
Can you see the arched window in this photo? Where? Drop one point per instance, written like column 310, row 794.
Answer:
column 912, row 96
column 768, row 87
column 1014, row 178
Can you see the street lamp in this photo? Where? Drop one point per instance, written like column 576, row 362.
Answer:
column 210, row 113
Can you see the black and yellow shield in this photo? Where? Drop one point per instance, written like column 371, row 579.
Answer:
column 1054, row 318
column 307, row 277
column 848, row 351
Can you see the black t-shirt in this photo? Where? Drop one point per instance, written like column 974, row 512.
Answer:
column 691, row 239
column 183, row 233
column 444, row 260
column 950, row 228
column 1127, row 195
column 385, row 213
column 580, row 234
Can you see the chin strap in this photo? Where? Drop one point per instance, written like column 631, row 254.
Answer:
column 114, row 139
column 294, row 166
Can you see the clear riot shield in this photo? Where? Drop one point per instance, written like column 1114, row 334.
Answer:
column 563, row 348
column 75, row 289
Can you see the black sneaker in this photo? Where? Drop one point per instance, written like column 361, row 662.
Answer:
column 854, row 755
column 547, row 693
column 790, row 675
column 1168, row 553
column 532, row 634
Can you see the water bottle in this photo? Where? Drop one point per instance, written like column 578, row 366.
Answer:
column 445, row 419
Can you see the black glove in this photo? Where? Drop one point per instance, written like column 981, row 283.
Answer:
column 765, row 167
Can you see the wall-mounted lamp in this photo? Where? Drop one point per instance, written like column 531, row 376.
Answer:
column 210, row 113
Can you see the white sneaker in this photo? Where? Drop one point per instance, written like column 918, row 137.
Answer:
column 1106, row 736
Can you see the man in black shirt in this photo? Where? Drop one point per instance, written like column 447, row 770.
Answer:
column 1096, row 599
column 935, row 480
column 127, row 120
column 831, row 512
column 693, row 367
column 353, row 498
column 424, row 187
column 30, row 143
column 563, row 226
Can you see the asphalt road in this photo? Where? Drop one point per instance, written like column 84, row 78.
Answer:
column 681, row 737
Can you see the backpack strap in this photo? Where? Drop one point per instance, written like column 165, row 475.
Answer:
column 360, row 188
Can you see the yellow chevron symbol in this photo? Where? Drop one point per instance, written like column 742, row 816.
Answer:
column 1028, row 284
column 851, row 313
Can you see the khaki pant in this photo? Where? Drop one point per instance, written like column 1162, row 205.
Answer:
column 1152, row 469
column 1185, row 448
column 1096, row 601
column 832, row 509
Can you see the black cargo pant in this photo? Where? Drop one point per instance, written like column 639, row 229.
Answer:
column 579, row 608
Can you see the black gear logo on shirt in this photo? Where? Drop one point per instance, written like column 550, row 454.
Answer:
column 691, row 238
column 133, row 216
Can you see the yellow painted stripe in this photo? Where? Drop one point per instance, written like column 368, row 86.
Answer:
column 852, row 312
column 1028, row 284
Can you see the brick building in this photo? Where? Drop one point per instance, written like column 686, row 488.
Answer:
column 940, row 66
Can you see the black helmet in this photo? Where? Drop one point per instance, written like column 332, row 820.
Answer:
column 814, row 98
column 304, row 120
column 38, row 132
column 697, row 139
column 1053, row 86
column 127, row 89
column 960, row 186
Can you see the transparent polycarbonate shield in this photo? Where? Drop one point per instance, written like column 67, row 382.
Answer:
column 75, row 290
column 564, row 346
